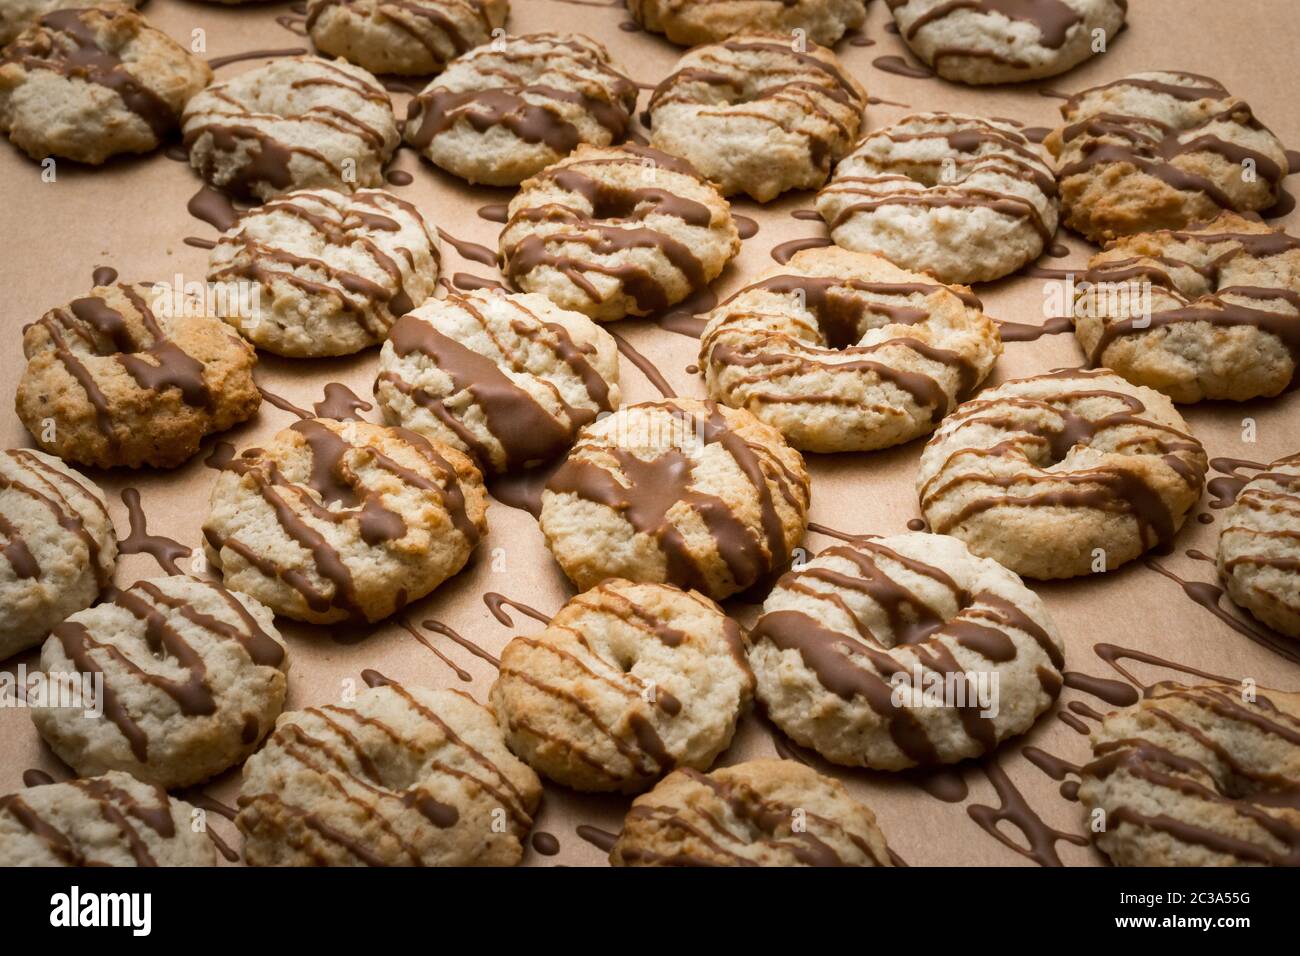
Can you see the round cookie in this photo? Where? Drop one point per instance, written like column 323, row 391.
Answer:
column 691, row 22
column 1259, row 546
column 58, row 546
column 843, row 351
column 617, row 231
column 755, row 116
column 408, row 37
column 682, row 492
column 758, row 813
column 296, row 123
column 332, row 271
column 112, row 820
column 507, row 110
column 1161, row 150
column 401, row 776
column 848, row 646
column 193, row 678
column 88, row 84
column 344, row 521
column 1198, row 776
column 17, row 15
column 627, row 682
column 133, row 375
column 1006, row 41
column 1209, row 312
column 507, row 378
column 1067, row 473
column 963, row 198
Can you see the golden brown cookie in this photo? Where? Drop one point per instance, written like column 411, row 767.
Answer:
column 626, row 683
column 759, row 813
column 1161, row 150
column 133, row 375
column 1067, row 473
column 1198, row 776
column 1259, row 546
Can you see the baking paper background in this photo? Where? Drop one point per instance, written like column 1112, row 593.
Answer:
column 131, row 215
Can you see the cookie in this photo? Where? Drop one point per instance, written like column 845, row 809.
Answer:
column 1198, row 776
column 113, row 820
column 193, row 678
column 332, row 271
column 1068, row 473
column 1006, row 41
column 758, row 813
column 756, row 116
column 681, row 492
column 89, row 84
column 58, row 546
column 851, row 648
column 295, row 123
column 627, row 682
column 133, row 375
column 843, row 351
column 1259, row 546
column 1159, row 151
column 507, row 378
column 409, row 37
column 402, row 776
column 17, row 15
column 1208, row 312
column 617, row 231
column 690, row 22
column 963, row 198
column 344, row 521
column 508, row 109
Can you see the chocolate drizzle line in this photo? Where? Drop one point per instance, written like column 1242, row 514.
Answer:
column 496, row 603
column 656, row 485
column 165, row 551
column 1014, row 809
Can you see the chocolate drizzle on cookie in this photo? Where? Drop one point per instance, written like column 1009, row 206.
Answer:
column 526, row 431
column 645, row 490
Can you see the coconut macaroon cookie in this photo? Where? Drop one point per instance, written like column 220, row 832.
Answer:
column 17, row 15
column 1198, row 776
column 758, row 813
column 88, row 84
column 963, row 198
column 1208, row 312
column 507, row 110
column 690, row 22
column 1006, row 41
column 835, row 634
column 111, row 820
column 626, row 683
column 193, row 678
column 411, row 37
column 843, row 351
column 1259, row 546
column 682, row 492
column 295, row 123
column 58, row 546
column 1068, row 473
column 133, row 375
column 344, row 521
column 508, row 378
column 753, row 115
column 333, row 271
column 1161, row 150
column 401, row 776
column 617, row 231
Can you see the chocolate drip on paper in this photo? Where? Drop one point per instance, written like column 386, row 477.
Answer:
column 165, row 551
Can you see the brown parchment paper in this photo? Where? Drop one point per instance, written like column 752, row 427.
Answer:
column 131, row 215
